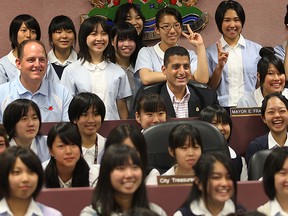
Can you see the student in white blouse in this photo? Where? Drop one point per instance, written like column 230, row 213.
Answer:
column 275, row 182
column 20, row 183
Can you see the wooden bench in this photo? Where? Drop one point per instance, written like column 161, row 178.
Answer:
column 70, row 201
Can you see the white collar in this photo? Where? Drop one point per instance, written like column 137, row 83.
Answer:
column 232, row 153
column 172, row 96
column 272, row 143
column 198, row 208
column 276, row 208
column 258, row 96
column 33, row 208
column 241, row 42
column 91, row 67
column 33, row 146
column 53, row 59
column 66, row 184
column 159, row 51
column 12, row 58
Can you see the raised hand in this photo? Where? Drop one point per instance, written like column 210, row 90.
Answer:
column 194, row 38
column 222, row 55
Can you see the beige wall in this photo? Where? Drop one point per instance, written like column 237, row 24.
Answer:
column 264, row 18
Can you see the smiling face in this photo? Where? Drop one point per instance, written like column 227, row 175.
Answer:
column 274, row 81
column 66, row 156
column 125, row 48
column 224, row 128
column 276, row 116
column 281, row 182
column 27, row 128
column 22, row 181
column 33, row 64
column 89, row 122
column 134, row 18
column 177, row 72
column 126, row 179
column 220, row 186
column 25, row 33
column 231, row 26
column 186, row 157
column 63, row 39
column 169, row 36
column 147, row 119
column 97, row 41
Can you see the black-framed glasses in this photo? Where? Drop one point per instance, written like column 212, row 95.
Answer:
column 167, row 28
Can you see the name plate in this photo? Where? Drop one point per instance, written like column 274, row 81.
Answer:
column 175, row 180
column 251, row 111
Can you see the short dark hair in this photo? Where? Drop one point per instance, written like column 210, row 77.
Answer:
column 103, row 196
column 266, row 99
column 8, row 159
column 22, row 45
column 58, row 23
column 273, row 164
column 123, row 131
column 29, row 21
column 268, row 57
column 221, row 114
column 69, row 135
column 89, row 25
column 151, row 102
column 223, row 7
column 180, row 133
column 167, row 11
column 124, row 31
column 203, row 170
column 82, row 102
column 177, row 51
column 15, row 111
column 123, row 10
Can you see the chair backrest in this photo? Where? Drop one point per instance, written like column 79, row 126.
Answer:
column 256, row 164
column 157, row 141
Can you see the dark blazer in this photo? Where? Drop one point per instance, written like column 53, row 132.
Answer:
column 260, row 143
column 201, row 96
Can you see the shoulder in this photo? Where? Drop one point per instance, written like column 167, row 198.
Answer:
column 265, row 209
column 154, row 207
column 211, row 48
column 88, row 211
column 250, row 43
column 247, row 100
column 47, row 211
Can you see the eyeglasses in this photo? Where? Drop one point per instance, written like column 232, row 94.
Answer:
column 167, row 28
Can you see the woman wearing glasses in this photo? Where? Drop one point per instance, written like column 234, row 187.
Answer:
column 169, row 28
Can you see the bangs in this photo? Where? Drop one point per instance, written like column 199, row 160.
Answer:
column 127, row 34
column 153, row 106
column 123, row 158
column 62, row 25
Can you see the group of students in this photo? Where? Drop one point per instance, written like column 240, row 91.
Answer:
column 108, row 69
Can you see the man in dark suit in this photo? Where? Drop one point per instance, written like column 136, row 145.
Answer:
column 183, row 97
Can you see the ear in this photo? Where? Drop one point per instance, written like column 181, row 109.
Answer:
column 157, row 31
column 263, row 119
column 51, row 152
column 171, row 152
column 137, row 117
column 196, row 182
column 164, row 70
column 113, row 43
column 18, row 63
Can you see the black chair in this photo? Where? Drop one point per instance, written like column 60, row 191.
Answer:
column 156, row 138
column 256, row 164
